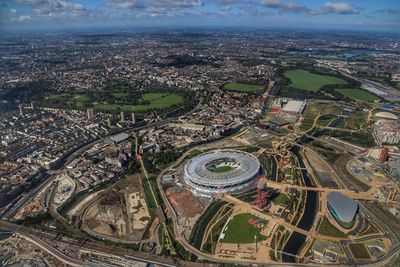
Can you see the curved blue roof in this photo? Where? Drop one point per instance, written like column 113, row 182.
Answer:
column 344, row 207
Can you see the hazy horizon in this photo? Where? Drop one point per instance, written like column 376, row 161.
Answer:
column 50, row 15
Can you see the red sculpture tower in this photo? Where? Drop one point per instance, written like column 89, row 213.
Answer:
column 261, row 185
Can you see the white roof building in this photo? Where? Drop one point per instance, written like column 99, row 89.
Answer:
column 294, row 106
column 386, row 115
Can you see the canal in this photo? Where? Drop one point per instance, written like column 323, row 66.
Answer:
column 296, row 240
column 274, row 173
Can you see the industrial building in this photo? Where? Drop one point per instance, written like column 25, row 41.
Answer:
column 342, row 208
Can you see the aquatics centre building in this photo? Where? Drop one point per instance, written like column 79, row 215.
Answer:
column 342, row 208
column 221, row 171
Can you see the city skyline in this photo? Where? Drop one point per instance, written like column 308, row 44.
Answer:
column 25, row 15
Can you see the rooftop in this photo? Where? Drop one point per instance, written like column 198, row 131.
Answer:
column 386, row 115
column 344, row 207
column 119, row 137
column 294, row 105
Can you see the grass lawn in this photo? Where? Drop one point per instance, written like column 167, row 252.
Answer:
column 220, row 169
column 359, row 251
column 243, row 87
column 357, row 94
column 326, row 228
column 239, row 230
column 311, row 112
column 81, row 98
column 303, row 79
column 80, row 104
column 356, row 120
column 120, row 95
column 369, row 229
column 80, row 101
column 157, row 100
column 59, row 96
column 328, row 113
column 281, row 199
column 325, row 120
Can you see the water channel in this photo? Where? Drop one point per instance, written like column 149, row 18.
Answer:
column 296, row 240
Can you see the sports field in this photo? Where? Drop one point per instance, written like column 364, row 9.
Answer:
column 357, row 94
column 243, row 87
column 220, row 169
column 239, row 229
column 305, row 80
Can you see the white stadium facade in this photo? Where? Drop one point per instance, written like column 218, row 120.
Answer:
column 221, row 171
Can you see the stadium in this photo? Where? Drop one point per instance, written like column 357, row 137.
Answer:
column 221, row 171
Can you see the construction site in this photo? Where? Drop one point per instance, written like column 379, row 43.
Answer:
column 120, row 212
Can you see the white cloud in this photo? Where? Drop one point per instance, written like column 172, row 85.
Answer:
column 285, row 6
column 54, row 6
column 28, row 2
column 339, row 8
column 12, row 11
column 24, row 18
column 327, row 8
column 126, row 4
column 161, row 4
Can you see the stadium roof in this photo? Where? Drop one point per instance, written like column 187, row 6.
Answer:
column 246, row 165
column 386, row 115
column 344, row 207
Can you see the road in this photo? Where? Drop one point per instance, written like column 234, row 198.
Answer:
column 393, row 93
column 374, row 212
column 91, row 245
column 355, row 195
column 27, row 197
column 51, row 250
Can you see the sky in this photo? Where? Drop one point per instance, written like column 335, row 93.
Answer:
column 381, row 15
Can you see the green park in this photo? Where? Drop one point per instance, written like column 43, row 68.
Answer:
column 243, row 87
column 248, row 232
column 114, row 101
column 305, row 80
column 357, row 94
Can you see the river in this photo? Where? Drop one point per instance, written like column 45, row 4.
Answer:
column 274, row 173
column 296, row 240
column 345, row 54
